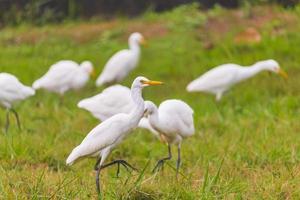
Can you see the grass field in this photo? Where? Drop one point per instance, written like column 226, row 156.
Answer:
column 245, row 147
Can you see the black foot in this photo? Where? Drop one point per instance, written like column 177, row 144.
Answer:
column 125, row 164
column 159, row 165
column 118, row 162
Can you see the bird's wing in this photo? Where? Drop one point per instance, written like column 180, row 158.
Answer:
column 117, row 67
column 177, row 116
column 221, row 76
column 11, row 89
column 104, row 135
column 113, row 100
column 61, row 73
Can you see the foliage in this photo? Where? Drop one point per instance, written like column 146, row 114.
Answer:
column 40, row 12
column 182, row 17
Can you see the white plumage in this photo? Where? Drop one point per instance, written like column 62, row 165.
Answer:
column 121, row 63
column 11, row 91
column 221, row 78
column 112, row 100
column 65, row 75
column 104, row 137
column 173, row 120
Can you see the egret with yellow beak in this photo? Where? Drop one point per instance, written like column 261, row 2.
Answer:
column 111, row 101
column 101, row 140
column 122, row 63
column 221, row 78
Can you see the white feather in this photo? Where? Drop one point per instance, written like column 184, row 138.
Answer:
column 63, row 76
column 221, row 78
column 173, row 119
column 112, row 100
column 104, row 137
column 12, row 90
column 121, row 63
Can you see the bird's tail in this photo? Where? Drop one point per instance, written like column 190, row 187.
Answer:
column 100, row 81
column 193, row 87
column 83, row 103
column 73, row 156
column 190, row 87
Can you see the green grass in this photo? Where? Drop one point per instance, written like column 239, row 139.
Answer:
column 245, row 147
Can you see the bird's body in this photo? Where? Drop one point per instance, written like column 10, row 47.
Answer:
column 65, row 75
column 173, row 120
column 104, row 137
column 220, row 79
column 118, row 67
column 11, row 91
column 121, row 63
column 111, row 101
column 98, row 142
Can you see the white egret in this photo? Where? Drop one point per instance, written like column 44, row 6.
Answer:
column 121, row 63
column 106, row 136
column 112, row 100
column 173, row 120
column 65, row 75
column 220, row 79
column 11, row 91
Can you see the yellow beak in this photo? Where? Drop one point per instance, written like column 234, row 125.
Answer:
column 283, row 73
column 152, row 82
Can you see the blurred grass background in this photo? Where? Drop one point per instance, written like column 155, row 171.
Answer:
column 245, row 147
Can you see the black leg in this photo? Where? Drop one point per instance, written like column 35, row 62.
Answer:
column 17, row 118
column 178, row 161
column 160, row 163
column 118, row 162
column 97, row 163
column 118, row 170
column 7, row 121
column 98, row 180
column 98, row 175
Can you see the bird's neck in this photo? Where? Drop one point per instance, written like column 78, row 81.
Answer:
column 138, row 110
column 154, row 119
column 134, row 47
column 248, row 72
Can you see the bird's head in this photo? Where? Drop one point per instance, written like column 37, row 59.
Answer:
column 137, row 38
column 87, row 66
column 273, row 66
column 149, row 107
column 141, row 82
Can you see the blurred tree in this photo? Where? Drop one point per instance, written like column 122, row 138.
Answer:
column 43, row 11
